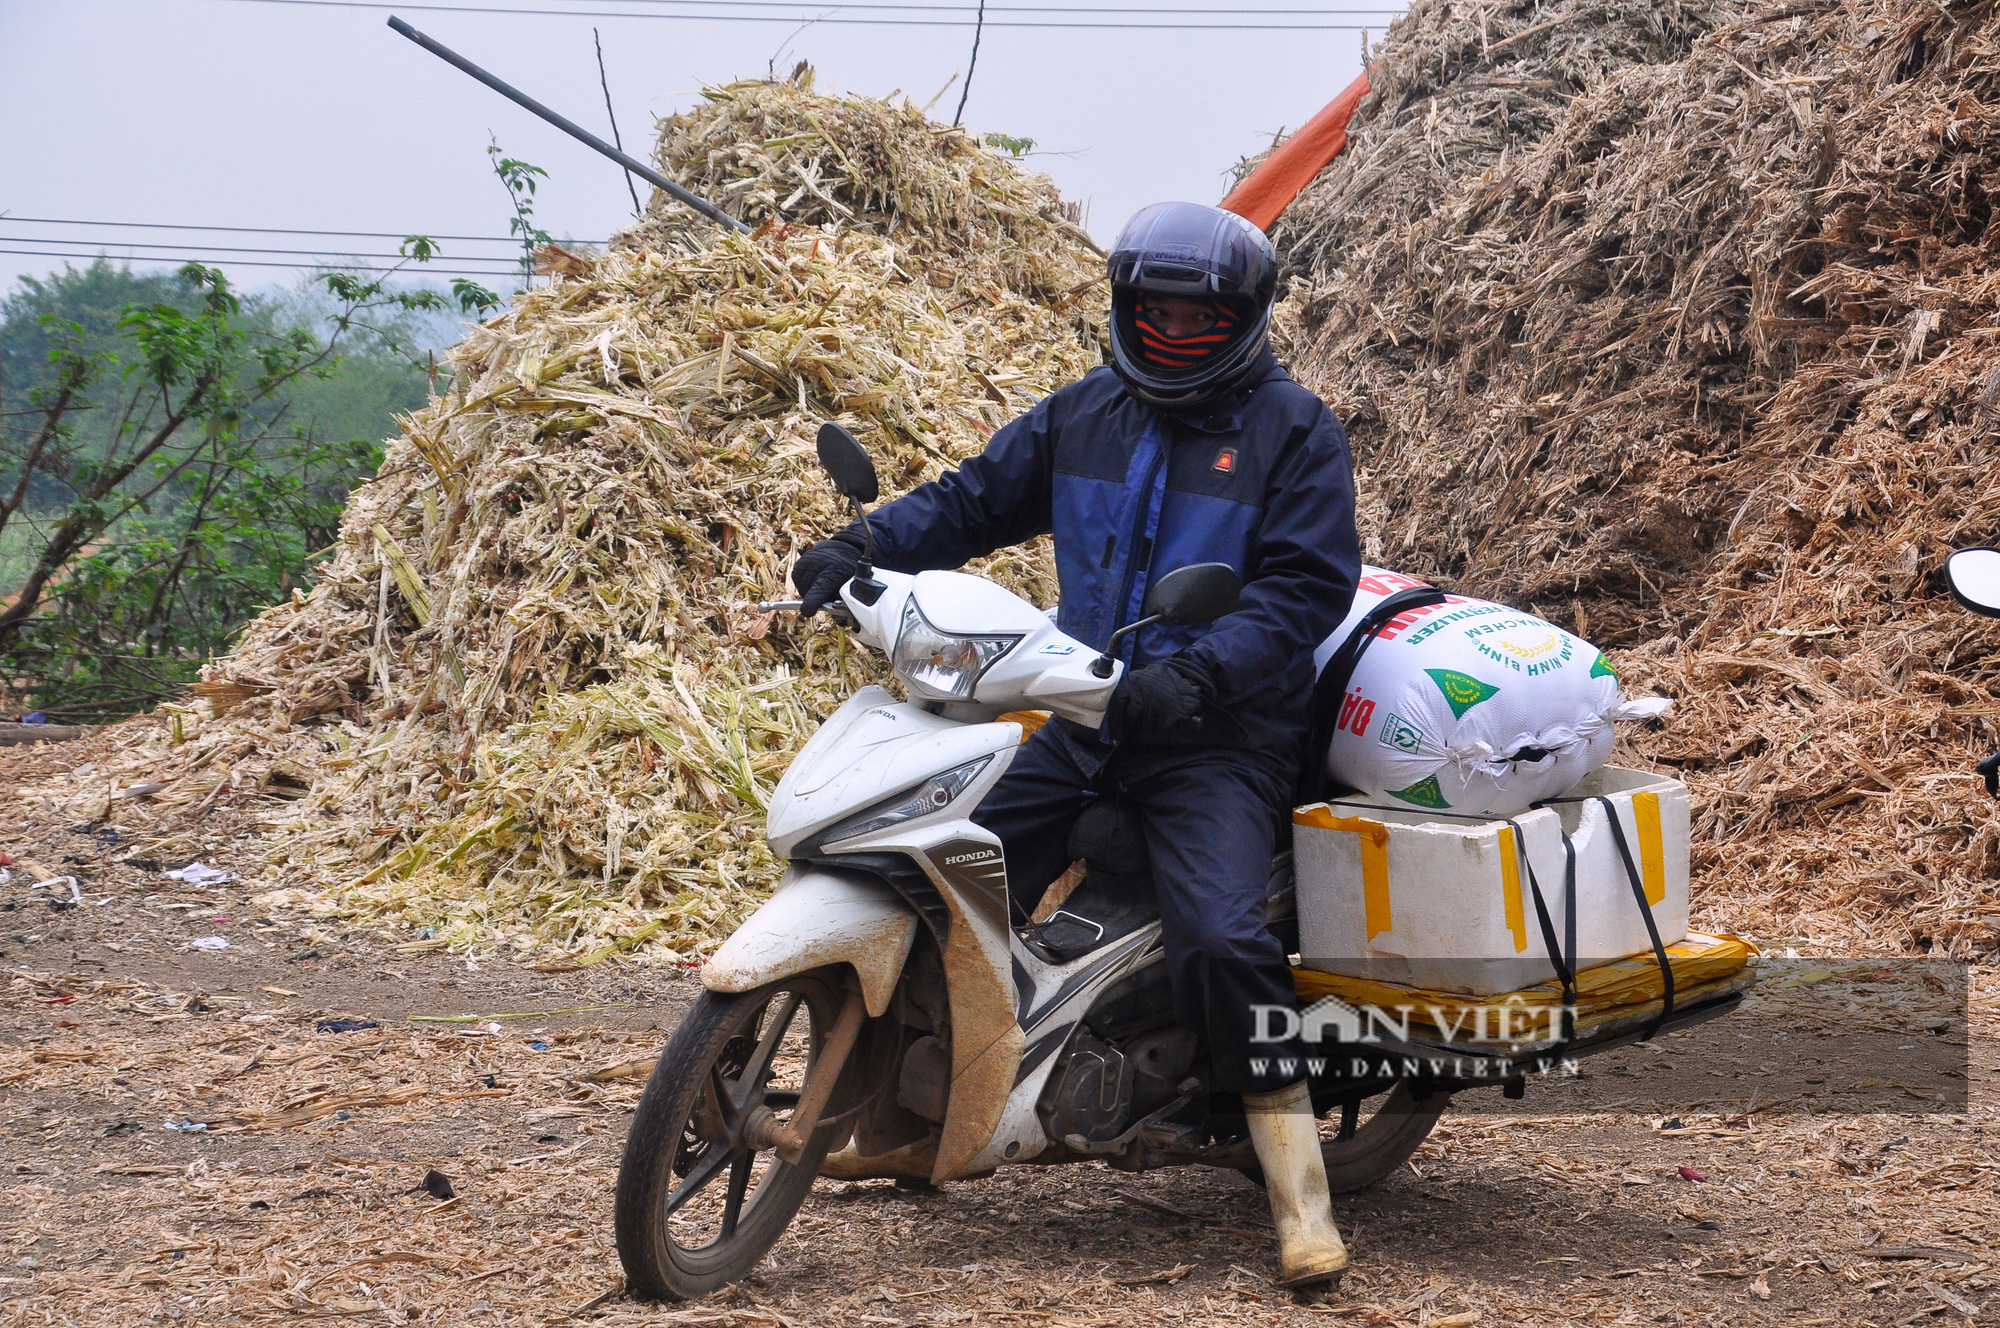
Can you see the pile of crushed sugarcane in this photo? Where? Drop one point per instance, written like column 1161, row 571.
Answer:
column 1677, row 321
column 530, row 696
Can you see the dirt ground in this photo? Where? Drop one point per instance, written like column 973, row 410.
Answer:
column 303, row 1197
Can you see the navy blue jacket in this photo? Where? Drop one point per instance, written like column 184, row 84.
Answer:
column 1260, row 481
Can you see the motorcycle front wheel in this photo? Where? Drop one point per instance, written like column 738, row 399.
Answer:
column 697, row 1206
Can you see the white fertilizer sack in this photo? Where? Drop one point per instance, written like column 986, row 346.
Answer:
column 1472, row 707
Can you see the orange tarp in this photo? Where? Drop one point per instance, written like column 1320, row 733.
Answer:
column 1273, row 185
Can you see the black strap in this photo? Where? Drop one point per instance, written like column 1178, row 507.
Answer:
column 1646, row 912
column 1561, row 958
column 1331, row 688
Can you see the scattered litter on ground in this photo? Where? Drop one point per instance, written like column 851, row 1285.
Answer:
column 184, row 1126
column 57, row 884
column 520, row 1014
column 209, row 943
column 1942, row 1255
column 338, row 1025
column 629, row 1069
column 1165, row 1276
column 198, row 874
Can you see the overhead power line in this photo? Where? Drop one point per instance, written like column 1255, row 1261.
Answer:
column 237, row 249
column 1073, row 11
column 423, row 271
column 386, row 5
column 273, row 230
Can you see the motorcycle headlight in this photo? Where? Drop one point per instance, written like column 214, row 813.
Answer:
column 939, row 664
column 934, row 794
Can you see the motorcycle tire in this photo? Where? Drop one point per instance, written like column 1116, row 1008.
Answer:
column 689, row 1219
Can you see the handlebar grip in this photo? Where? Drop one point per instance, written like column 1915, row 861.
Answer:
column 835, row 610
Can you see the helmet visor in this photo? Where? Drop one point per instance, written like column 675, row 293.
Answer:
column 1176, row 335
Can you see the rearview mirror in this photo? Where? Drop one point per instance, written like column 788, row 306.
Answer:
column 1974, row 578
column 846, row 461
column 1199, row 592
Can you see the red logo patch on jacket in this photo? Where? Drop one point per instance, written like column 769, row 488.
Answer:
column 1225, row 461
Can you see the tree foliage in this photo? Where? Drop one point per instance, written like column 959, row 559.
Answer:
column 172, row 460
column 518, row 178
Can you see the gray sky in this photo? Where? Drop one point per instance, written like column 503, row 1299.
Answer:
column 230, row 112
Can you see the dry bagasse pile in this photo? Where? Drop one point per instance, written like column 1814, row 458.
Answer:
column 530, row 694
column 1677, row 319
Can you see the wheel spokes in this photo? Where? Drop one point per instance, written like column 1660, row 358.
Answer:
column 750, row 1080
column 739, row 1183
column 1350, row 1118
column 728, row 1111
column 701, row 1174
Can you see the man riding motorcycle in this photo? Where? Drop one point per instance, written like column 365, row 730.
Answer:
column 1195, row 446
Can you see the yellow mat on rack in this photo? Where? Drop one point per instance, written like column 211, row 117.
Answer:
column 1699, row 962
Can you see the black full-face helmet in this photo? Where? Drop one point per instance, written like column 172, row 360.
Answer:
column 1200, row 253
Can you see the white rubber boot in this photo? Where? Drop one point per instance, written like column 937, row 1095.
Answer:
column 1286, row 1138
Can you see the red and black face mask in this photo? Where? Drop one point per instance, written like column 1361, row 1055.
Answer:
column 1182, row 353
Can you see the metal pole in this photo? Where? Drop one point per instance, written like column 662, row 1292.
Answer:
column 576, row 131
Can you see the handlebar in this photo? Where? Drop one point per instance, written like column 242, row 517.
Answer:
column 835, row 610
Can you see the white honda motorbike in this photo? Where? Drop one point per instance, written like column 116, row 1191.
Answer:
column 892, row 1012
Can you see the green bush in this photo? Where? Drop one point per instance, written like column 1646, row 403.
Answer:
column 174, row 459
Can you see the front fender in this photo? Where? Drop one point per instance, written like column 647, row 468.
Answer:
column 820, row 916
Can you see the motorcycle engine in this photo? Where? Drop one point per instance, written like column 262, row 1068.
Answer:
column 1093, row 1098
column 1160, row 1060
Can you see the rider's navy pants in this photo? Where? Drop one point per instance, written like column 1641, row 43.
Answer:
column 1211, row 817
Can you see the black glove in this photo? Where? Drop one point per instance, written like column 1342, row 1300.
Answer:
column 1160, row 702
column 824, row 568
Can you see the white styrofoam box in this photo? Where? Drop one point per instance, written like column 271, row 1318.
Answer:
column 1402, row 895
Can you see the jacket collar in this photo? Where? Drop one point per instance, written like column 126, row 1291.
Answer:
column 1225, row 415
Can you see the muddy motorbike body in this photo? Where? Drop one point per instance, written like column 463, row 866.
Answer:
column 891, row 1012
